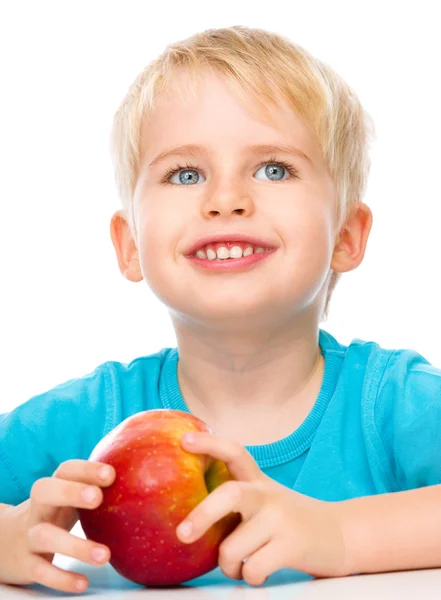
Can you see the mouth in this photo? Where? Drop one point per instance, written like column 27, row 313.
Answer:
column 225, row 255
column 215, row 246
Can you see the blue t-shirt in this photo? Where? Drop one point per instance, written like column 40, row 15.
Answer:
column 374, row 428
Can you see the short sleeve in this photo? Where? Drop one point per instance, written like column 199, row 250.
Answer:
column 408, row 419
column 63, row 423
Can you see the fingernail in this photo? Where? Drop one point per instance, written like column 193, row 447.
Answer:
column 104, row 472
column 80, row 584
column 185, row 529
column 99, row 554
column 89, row 494
column 189, row 438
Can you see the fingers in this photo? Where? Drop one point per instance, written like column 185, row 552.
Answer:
column 94, row 473
column 44, row 573
column 232, row 496
column 48, row 538
column 53, row 503
column 66, row 489
column 49, row 493
column 239, row 461
column 262, row 563
column 245, row 540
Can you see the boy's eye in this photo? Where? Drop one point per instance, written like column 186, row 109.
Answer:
column 274, row 171
column 189, row 175
column 186, row 176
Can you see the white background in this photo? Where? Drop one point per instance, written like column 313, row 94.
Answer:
column 65, row 67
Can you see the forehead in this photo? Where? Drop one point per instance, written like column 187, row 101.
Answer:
column 208, row 111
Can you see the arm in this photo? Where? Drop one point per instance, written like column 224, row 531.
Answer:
column 392, row 532
column 283, row 528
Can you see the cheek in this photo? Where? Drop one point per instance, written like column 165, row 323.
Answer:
column 314, row 241
column 309, row 248
column 153, row 236
column 307, row 228
column 159, row 232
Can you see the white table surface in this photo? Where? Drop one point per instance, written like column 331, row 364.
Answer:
column 285, row 584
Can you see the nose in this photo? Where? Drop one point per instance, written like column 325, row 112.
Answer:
column 227, row 202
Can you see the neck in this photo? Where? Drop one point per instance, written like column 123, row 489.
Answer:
column 224, row 375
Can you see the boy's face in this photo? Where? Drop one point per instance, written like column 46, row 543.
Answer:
column 230, row 193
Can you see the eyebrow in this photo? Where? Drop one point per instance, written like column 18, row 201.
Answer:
column 256, row 149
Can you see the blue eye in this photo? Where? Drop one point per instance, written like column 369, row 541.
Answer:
column 190, row 174
column 274, row 171
column 186, row 176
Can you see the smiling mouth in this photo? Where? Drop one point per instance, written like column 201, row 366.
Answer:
column 221, row 251
column 232, row 256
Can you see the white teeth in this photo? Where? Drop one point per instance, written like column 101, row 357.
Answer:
column 236, row 252
column 223, row 253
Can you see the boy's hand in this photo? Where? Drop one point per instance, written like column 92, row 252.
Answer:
column 280, row 527
column 36, row 529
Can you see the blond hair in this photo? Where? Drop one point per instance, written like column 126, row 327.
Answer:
column 263, row 64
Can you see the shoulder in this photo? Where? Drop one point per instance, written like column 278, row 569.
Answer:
column 409, row 396
column 94, row 402
column 365, row 361
column 125, row 388
column 68, row 420
column 398, row 394
column 389, row 377
column 388, row 366
column 150, row 364
column 407, row 418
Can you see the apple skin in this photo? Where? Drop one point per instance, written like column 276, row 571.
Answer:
column 157, row 485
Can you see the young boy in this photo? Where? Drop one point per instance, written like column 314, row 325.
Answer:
column 242, row 162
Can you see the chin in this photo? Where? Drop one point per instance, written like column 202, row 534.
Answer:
column 232, row 315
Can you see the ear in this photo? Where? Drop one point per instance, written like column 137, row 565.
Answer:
column 125, row 247
column 351, row 243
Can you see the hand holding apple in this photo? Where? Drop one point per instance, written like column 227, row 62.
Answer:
column 280, row 528
column 157, row 485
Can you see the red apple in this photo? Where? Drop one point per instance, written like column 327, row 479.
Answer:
column 157, row 485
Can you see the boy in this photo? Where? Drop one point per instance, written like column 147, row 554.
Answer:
column 242, row 162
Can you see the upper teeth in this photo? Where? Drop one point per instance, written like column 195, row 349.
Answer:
column 223, row 252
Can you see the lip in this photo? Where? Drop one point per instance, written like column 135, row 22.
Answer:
column 245, row 262
column 228, row 237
